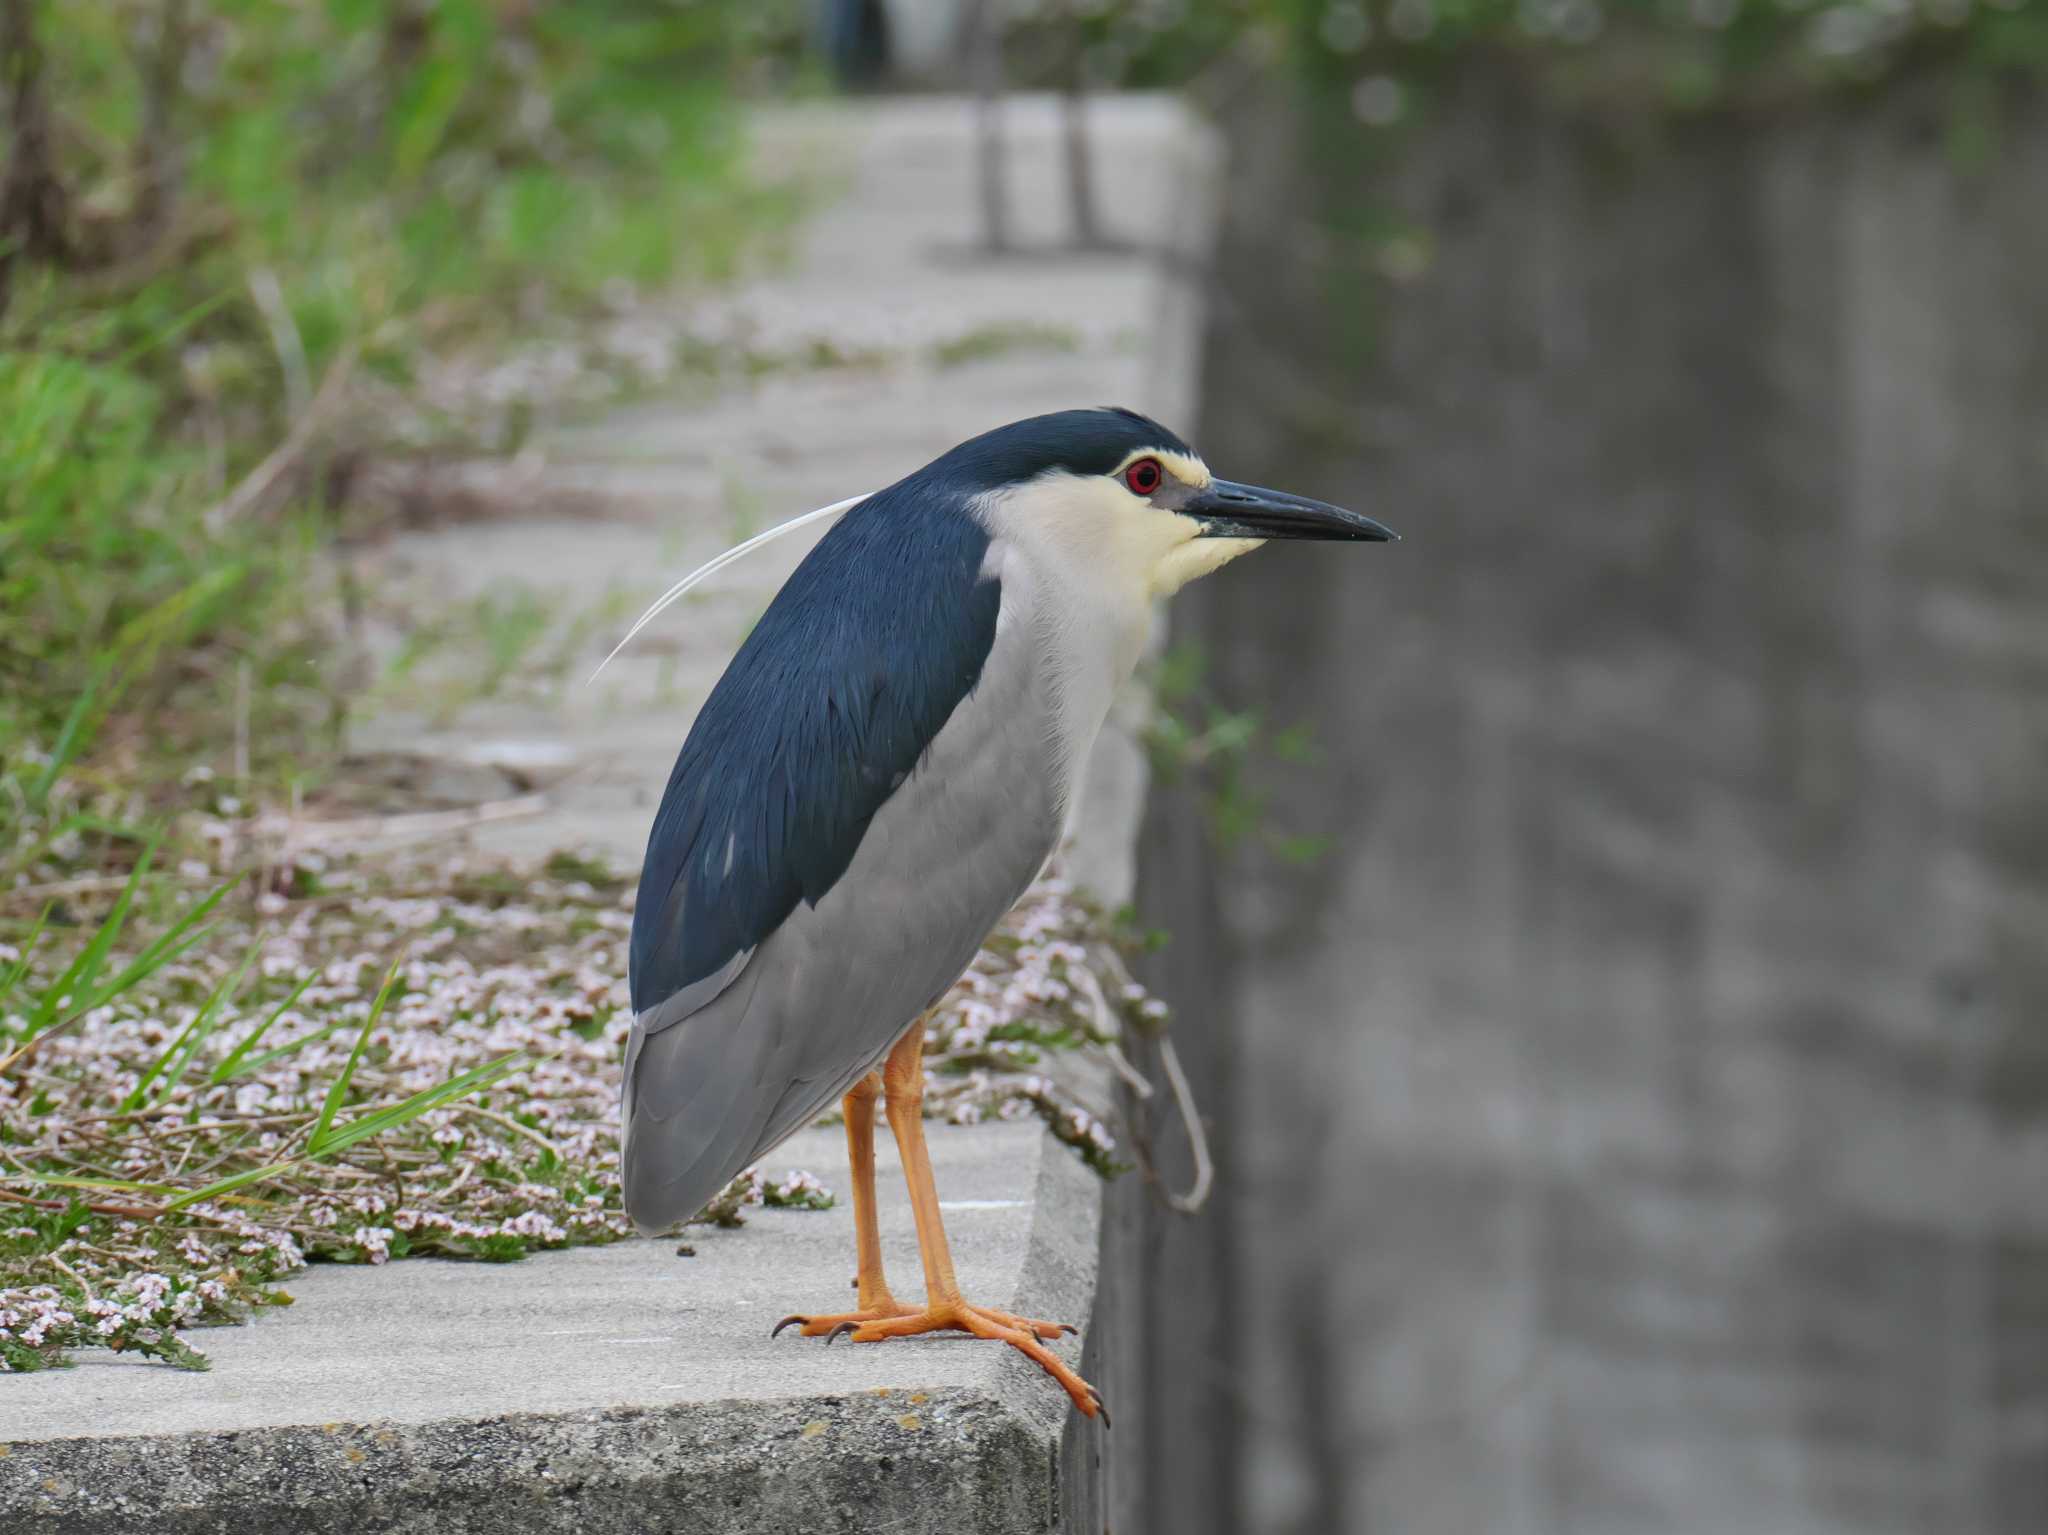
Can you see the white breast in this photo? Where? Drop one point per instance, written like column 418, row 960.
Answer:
column 1085, row 604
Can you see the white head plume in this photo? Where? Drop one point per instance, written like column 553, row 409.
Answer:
column 712, row 567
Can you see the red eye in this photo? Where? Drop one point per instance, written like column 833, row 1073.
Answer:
column 1144, row 476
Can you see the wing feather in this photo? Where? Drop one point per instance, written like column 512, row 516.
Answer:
column 846, row 680
column 890, row 848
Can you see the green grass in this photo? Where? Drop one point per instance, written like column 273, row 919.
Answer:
column 135, row 1187
column 362, row 184
column 1224, row 756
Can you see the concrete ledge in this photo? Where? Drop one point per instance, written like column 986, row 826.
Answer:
column 383, row 1401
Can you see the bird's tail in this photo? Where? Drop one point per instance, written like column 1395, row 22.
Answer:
column 689, row 1125
column 677, row 1149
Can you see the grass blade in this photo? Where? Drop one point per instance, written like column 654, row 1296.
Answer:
column 226, row 993
column 388, row 1118
column 26, row 853
column 232, row 1066
column 404, row 1112
column 168, row 331
column 67, row 742
column 316, row 1142
column 168, row 946
column 140, row 1094
column 70, row 1181
column 28, row 949
column 257, row 1062
column 189, row 1040
column 82, row 970
column 229, row 1184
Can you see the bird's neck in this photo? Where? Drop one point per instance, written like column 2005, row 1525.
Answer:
column 1092, row 567
column 1080, row 616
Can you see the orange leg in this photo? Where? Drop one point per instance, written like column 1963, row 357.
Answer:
column 945, row 1309
column 875, row 1303
column 872, row 1293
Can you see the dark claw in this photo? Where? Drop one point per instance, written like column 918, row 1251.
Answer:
column 787, row 1322
column 1101, row 1406
column 1070, row 1329
column 840, row 1331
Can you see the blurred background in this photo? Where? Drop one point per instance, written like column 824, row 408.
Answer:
column 1608, row 932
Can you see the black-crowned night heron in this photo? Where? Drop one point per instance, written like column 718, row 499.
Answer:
column 884, row 767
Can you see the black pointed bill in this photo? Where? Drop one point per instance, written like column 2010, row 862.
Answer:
column 1227, row 509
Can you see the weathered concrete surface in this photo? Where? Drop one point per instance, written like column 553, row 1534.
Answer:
column 1634, row 1124
column 602, row 1389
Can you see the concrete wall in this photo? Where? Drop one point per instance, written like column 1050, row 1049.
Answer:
column 1635, row 1123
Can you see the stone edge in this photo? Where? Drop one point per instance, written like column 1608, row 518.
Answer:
column 983, row 1460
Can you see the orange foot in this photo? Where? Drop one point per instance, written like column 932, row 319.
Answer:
column 1021, row 1333
column 835, row 1324
column 817, row 1326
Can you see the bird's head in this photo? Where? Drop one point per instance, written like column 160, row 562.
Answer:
column 1116, row 491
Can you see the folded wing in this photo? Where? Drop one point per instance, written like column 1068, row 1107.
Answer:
column 862, row 797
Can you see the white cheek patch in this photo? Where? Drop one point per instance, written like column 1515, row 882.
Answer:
column 1097, row 537
column 1196, row 558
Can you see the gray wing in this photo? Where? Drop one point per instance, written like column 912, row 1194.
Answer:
column 714, row 1085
